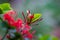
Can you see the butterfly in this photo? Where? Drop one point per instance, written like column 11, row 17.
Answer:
column 31, row 18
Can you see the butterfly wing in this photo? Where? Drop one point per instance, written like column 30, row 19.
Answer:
column 36, row 17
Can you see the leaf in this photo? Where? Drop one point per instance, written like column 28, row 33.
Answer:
column 1, row 19
column 4, row 8
column 47, row 37
column 44, row 37
column 36, row 17
column 54, row 38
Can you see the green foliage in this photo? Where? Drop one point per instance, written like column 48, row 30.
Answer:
column 18, row 36
column 5, row 24
column 4, row 8
column 47, row 37
column 0, row 19
column 36, row 17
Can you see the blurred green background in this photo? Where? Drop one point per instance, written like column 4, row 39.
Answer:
column 50, row 10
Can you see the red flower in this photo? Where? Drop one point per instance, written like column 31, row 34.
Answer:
column 8, row 17
column 27, row 27
column 21, row 26
column 11, row 13
column 30, row 36
column 24, row 32
column 18, row 24
column 27, row 34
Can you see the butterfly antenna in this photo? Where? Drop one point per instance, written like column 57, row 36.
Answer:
column 24, row 17
column 28, row 12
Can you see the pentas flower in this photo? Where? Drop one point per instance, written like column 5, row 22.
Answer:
column 8, row 18
column 27, row 27
column 21, row 27
column 11, row 13
column 27, row 34
column 18, row 24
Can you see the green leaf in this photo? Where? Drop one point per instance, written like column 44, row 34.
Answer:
column 1, row 19
column 54, row 38
column 4, row 8
column 41, row 38
column 36, row 17
column 47, row 37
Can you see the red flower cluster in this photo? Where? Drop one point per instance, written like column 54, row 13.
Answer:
column 22, row 27
column 7, row 17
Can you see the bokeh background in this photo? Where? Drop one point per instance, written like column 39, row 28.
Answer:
column 50, row 10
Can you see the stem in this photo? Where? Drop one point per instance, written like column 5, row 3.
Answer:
column 5, row 34
column 1, row 19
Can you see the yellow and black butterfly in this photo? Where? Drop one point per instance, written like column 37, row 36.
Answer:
column 36, row 17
